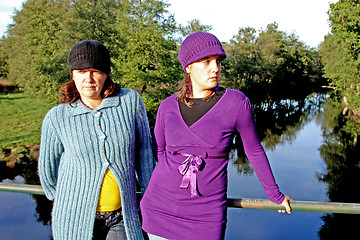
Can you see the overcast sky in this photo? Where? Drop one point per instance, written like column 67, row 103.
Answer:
column 308, row 19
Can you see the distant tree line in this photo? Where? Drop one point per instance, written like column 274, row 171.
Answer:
column 143, row 39
column 272, row 63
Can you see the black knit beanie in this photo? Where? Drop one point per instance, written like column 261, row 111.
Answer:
column 89, row 54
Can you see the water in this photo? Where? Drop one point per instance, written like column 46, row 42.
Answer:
column 18, row 217
column 297, row 136
column 295, row 166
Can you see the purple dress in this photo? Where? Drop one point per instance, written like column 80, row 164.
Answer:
column 186, row 196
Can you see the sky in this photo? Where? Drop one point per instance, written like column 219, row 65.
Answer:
column 308, row 19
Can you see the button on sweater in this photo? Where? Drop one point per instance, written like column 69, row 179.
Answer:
column 73, row 161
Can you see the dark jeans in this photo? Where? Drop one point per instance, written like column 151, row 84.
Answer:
column 111, row 228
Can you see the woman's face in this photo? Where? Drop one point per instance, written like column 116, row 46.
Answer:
column 205, row 73
column 89, row 83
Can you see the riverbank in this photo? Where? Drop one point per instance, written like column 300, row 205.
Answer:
column 20, row 125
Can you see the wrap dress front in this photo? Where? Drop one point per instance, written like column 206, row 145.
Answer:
column 186, row 197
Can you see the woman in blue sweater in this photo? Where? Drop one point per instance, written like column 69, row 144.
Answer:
column 94, row 147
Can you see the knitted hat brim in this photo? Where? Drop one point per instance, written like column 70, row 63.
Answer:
column 204, row 54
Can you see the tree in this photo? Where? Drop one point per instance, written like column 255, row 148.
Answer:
column 138, row 34
column 32, row 45
column 340, row 52
column 194, row 26
column 4, row 67
column 92, row 19
column 270, row 63
column 145, row 58
column 243, row 69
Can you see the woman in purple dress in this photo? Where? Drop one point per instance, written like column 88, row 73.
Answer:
column 194, row 130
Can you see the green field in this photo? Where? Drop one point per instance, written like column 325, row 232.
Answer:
column 20, row 122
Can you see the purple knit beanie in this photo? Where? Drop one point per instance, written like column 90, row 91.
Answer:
column 197, row 46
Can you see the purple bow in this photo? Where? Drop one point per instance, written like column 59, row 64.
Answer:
column 188, row 169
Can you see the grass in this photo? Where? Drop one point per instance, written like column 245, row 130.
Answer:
column 20, row 122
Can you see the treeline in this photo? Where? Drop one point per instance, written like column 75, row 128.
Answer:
column 271, row 62
column 340, row 56
column 139, row 35
column 143, row 39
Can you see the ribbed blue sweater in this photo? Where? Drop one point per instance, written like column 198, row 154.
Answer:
column 73, row 161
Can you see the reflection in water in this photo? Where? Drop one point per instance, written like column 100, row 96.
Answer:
column 27, row 169
column 340, row 152
column 278, row 122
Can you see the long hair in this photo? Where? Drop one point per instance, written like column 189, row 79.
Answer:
column 185, row 90
column 70, row 94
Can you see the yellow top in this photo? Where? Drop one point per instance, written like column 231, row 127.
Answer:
column 109, row 199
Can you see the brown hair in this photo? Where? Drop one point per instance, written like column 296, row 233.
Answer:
column 185, row 90
column 69, row 93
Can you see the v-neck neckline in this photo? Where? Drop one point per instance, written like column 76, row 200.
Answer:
column 208, row 112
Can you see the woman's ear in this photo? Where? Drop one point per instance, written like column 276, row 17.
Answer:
column 188, row 69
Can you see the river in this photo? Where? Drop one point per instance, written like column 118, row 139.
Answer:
column 297, row 136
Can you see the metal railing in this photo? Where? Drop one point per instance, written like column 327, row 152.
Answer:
column 303, row 206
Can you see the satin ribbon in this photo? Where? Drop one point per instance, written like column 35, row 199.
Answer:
column 188, row 169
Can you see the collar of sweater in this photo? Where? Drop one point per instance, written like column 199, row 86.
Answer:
column 78, row 107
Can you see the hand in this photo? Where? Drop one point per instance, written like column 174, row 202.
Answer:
column 286, row 204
